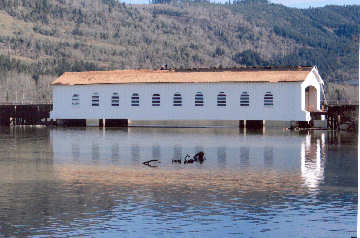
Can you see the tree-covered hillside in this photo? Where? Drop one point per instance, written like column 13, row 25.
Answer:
column 41, row 39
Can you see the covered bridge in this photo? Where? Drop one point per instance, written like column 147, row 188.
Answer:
column 267, row 93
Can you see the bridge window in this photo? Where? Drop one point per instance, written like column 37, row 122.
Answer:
column 268, row 99
column 135, row 100
column 115, row 100
column 156, row 100
column 177, row 100
column 244, row 99
column 95, row 100
column 199, row 99
column 76, row 99
column 221, row 99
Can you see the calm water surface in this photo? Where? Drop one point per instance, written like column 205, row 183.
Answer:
column 92, row 183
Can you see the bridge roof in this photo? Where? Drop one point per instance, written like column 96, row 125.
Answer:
column 273, row 75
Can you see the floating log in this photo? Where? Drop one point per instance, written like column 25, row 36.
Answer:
column 148, row 163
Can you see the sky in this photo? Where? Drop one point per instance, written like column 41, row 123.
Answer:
column 314, row 3
column 289, row 3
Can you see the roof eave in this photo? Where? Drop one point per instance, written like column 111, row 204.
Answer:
column 317, row 75
column 81, row 84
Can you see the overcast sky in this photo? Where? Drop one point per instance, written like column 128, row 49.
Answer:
column 289, row 3
column 314, row 3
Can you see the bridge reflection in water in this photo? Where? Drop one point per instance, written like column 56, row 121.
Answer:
column 84, row 182
column 225, row 149
column 313, row 160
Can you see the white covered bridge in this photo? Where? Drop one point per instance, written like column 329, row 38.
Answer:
column 245, row 94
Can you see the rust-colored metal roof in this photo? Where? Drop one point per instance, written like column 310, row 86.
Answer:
column 171, row 76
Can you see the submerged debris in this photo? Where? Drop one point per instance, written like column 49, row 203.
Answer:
column 150, row 163
column 198, row 157
column 190, row 161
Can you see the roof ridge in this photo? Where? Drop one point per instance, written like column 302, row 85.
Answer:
column 249, row 68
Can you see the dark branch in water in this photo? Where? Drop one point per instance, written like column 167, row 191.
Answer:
column 148, row 163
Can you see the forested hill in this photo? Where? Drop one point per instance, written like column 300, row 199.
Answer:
column 43, row 38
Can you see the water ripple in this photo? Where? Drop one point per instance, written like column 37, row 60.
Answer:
column 82, row 183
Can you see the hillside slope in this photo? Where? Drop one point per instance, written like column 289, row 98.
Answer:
column 41, row 39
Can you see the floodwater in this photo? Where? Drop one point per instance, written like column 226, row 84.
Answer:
column 92, row 183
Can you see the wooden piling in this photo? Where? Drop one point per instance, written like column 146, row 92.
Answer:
column 242, row 124
column 116, row 123
column 74, row 122
column 254, row 124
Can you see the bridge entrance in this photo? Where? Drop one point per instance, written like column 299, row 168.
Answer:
column 311, row 99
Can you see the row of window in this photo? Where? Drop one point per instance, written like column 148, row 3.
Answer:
column 177, row 99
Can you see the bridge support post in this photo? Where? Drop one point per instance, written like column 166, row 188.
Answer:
column 5, row 120
column 254, row 124
column 242, row 124
column 101, row 123
column 116, row 123
column 71, row 122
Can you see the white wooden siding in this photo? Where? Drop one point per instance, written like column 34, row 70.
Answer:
column 288, row 101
